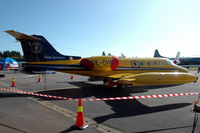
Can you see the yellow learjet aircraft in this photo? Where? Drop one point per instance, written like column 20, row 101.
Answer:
column 41, row 56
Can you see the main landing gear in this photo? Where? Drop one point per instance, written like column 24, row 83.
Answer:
column 111, row 83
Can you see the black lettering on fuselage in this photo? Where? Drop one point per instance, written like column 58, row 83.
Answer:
column 101, row 62
column 53, row 57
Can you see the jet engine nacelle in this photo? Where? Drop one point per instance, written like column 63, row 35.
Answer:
column 100, row 63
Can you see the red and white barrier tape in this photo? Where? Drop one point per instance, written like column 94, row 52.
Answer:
column 102, row 99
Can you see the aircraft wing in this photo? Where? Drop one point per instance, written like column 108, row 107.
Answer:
column 121, row 75
column 128, row 79
column 19, row 35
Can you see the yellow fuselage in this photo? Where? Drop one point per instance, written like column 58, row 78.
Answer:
column 135, row 71
column 133, row 66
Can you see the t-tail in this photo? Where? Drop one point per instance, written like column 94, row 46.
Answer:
column 36, row 48
column 40, row 55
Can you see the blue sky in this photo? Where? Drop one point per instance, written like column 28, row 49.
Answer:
column 88, row 27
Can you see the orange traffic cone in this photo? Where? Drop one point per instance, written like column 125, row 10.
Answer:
column 79, row 117
column 13, row 82
column 39, row 78
column 71, row 76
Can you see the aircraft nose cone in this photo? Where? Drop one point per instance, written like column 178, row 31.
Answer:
column 193, row 78
column 188, row 77
column 196, row 79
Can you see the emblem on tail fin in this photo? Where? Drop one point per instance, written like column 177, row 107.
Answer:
column 36, row 48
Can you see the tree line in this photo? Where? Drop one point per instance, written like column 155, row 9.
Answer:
column 12, row 54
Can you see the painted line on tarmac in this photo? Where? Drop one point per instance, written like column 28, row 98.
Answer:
column 68, row 113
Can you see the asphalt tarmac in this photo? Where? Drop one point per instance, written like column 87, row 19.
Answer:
column 30, row 114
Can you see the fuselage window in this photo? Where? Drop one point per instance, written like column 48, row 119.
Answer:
column 148, row 63
column 142, row 63
column 155, row 63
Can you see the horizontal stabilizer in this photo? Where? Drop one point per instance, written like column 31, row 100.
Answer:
column 19, row 35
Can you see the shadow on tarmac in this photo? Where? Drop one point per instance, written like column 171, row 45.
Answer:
column 67, row 130
column 5, row 95
column 121, row 108
column 134, row 108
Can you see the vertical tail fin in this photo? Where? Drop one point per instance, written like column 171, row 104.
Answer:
column 37, row 48
column 157, row 54
column 178, row 55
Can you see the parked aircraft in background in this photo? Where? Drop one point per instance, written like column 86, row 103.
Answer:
column 176, row 59
column 183, row 61
column 40, row 56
